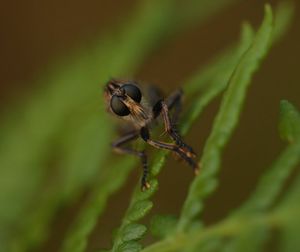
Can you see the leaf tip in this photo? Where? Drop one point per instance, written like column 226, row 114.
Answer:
column 268, row 9
column 289, row 121
column 268, row 14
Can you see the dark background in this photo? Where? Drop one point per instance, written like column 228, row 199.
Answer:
column 35, row 34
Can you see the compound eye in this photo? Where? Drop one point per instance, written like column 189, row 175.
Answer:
column 118, row 107
column 133, row 92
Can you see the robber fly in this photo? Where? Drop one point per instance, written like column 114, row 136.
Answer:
column 142, row 110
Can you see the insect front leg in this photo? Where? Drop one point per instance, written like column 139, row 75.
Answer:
column 117, row 146
column 172, row 130
column 174, row 101
column 145, row 134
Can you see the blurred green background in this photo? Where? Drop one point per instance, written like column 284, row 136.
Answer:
column 37, row 35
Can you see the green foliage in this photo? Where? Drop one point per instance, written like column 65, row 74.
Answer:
column 290, row 205
column 271, row 183
column 250, row 229
column 139, row 206
column 225, row 122
column 63, row 114
column 61, row 120
column 289, row 122
column 86, row 220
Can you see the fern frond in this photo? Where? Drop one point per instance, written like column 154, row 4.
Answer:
column 140, row 205
column 269, row 186
column 272, row 182
column 230, row 228
column 225, row 122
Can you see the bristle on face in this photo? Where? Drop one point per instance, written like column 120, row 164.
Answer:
column 136, row 109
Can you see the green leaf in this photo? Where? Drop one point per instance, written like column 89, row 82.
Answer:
column 129, row 247
column 212, row 80
column 289, row 125
column 140, row 205
column 284, row 14
column 139, row 210
column 272, row 182
column 133, row 232
column 226, row 121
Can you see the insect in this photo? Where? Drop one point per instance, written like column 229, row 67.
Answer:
column 142, row 110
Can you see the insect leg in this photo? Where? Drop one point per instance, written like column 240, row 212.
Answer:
column 172, row 131
column 172, row 147
column 175, row 101
column 117, row 146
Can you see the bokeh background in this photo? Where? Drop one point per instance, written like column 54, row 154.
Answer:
column 35, row 35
